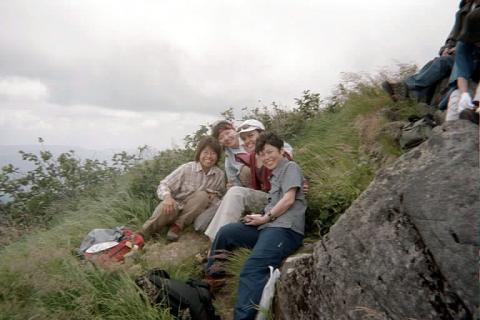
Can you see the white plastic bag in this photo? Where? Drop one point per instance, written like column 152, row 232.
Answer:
column 453, row 110
column 457, row 103
column 267, row 295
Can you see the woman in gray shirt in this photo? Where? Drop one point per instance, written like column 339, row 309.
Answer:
column 272, row 235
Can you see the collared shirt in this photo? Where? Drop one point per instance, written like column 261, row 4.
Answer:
column 232, row 166
column 188, row 178
column 285, row 176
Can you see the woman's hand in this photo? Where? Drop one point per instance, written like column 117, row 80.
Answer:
column 255, row 219
column 212, row 197
column 168, row 205
column 306, row 186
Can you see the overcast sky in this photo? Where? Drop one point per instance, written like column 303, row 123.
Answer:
column 120, row 74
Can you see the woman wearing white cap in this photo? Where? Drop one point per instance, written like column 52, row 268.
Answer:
column 253, row 198
column 249, row 132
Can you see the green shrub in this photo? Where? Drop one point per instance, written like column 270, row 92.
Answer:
column 145, row 177
column 61, row 179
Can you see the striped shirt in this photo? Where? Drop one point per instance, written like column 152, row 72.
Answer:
column 187, row 179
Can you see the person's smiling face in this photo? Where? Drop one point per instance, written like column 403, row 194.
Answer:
column 271, row 156
column 208, row 158
column 249, row 140
column 228, row 138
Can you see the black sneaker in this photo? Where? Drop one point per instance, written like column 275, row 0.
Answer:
column 396, row 90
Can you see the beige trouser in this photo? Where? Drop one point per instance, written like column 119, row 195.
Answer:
column 194, row 205
column 245, row 176
column 235, row 203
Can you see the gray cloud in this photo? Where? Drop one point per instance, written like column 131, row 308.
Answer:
column 188, row 58
column 143, row 78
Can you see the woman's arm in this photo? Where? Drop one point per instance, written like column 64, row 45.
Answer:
column 280, row 208
column 217, row 190
column 231, row 171
column 170, row 184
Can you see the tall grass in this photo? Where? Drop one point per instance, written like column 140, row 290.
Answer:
column 334, row 158
column 42, row 278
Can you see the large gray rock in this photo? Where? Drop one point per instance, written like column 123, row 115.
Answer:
column 407, row 247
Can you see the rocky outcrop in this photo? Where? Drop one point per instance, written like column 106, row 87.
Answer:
column 407, row 247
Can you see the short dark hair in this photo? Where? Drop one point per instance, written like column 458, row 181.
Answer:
column 219, row 126
column 208, row 141
column 268, row 138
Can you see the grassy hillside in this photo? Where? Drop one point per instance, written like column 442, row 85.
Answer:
column 339, row 150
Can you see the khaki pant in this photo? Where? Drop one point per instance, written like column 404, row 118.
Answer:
column 235, row 203
column 194, row 205
column 245, row 176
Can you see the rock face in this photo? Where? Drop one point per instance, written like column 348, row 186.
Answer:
column 407, row 247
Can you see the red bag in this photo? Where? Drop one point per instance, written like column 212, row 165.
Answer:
column 128, row 242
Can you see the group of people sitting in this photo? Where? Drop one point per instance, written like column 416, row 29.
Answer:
column 459, row 60
column 261, row 205
column 262, row 208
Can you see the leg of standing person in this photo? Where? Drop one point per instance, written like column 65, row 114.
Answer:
column 465, row 62
column 272, row 246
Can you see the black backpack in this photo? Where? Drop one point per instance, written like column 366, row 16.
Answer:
column 191, row 297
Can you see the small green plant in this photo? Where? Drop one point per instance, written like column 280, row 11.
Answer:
column 191, row 141
column 287, row 123
column 145, row 177
column 308, row 104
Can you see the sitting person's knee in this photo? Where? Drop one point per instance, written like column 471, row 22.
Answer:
column 200, row 195
column 228, row 229
column 234, row 192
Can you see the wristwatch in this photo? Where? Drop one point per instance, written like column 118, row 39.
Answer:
column 270, row 216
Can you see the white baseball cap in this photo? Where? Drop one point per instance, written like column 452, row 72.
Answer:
column 250, row 125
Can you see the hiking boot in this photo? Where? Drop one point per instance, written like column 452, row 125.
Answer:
column 216, row 269
column 397, row 91
column 144, row 234
column 214, row 284
column 173, row 233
